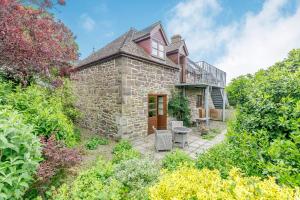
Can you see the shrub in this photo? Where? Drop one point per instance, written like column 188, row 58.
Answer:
column 178, row 107
column 124, row 151
column 266, row 129
column 93, row 142
column 136, row 175
column 263, row 139
column 67, row 98
column 237, row 89
column 44, row 111
column 219, row 157
column 57, row 157
column 123, row 145
column 93, row 184
column 175, row 159
column 190, row 183
column 19, row 154
column 5, row 89
column 125, row 155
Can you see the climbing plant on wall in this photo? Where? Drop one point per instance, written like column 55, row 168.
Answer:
column 178, row 107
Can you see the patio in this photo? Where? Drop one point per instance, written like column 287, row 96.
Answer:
column 197, row 144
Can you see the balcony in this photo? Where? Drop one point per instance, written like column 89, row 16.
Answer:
column 202, row 73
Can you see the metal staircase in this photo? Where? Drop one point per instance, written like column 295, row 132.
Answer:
column 217, row 98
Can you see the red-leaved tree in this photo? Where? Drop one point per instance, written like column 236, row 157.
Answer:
column 32, row 42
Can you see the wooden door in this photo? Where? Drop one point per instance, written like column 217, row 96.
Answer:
column 152, row 113
column 162, row 112
column 157, row 112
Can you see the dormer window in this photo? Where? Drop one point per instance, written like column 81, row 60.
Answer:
column 158, row 50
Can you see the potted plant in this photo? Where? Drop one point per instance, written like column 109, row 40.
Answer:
column 204, row 130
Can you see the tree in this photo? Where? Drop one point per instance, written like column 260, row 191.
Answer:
column 237, row 89
column 43, row 4
column 32, row 42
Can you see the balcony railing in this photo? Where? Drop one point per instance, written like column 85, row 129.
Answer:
column 204, row 73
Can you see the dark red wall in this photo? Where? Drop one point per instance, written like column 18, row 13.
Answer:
column 146, row 45
column 159, row 37
column 174, row 57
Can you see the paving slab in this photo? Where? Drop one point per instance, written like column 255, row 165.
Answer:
column 197, row 145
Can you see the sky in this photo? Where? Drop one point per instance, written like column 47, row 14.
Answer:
column 237, row 36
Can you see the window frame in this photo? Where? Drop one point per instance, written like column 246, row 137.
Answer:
column 157, row 49
column 199, row 101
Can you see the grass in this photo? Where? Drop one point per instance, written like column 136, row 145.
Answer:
column 212, row 133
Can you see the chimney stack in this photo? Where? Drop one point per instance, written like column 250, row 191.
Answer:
column 175, row 38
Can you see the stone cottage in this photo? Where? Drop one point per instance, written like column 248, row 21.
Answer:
column 123, row 88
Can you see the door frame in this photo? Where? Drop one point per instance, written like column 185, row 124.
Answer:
column 155, row 120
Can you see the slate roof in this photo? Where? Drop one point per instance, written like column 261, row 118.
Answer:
column 176, row 46
column 145, row 31
column 173, row 46
column 125, row 44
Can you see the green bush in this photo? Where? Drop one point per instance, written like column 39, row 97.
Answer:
column 226, row 155
column 123, row 145
column 263, row 139
column 136, row 175
column 41, row 108
column 178, row 107
column 94, row 142
column 20, row 154
column 93, row 184
column 266, row 130
column 124, row 151
column 175, row 159
column 271, row 120
column 125, row 155
column 67, row 98
column 5, row 89
column 237, row 89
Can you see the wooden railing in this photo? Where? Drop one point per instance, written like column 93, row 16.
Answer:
column 204, row 73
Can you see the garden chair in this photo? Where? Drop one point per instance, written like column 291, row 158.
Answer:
column 163, row 140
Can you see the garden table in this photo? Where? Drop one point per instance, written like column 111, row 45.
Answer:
column 180, row 135
column 200, row 121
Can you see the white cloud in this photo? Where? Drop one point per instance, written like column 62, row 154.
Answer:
column 87, row 22
column 255, row 41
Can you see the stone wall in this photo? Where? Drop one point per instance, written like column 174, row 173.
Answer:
column 191, row 94
column 138, row 80
column 98, row 90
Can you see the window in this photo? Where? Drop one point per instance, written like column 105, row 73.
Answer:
column 199, row 101
column 152, row 106
column 160, row 105
column 158, row 49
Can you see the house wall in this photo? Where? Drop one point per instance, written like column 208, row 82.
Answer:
column 157, row 35
column 98, row 89
column 174, row 57
column 146, row 45
column 191, row 94
column 113, row 96
column 138, row 80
